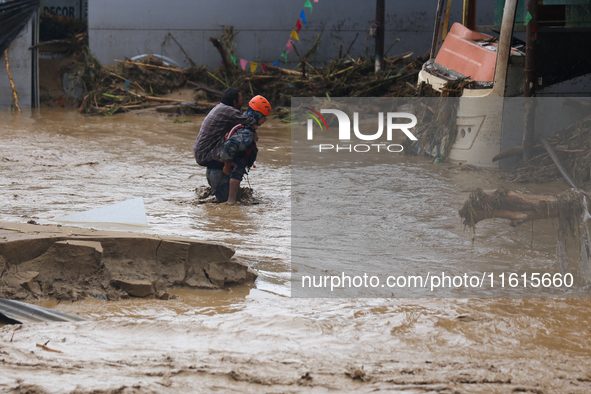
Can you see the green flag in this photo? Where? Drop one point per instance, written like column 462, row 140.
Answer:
column 309, row 5
column 528, row 18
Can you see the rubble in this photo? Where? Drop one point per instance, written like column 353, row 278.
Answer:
column 572, row 146
column 144, row 83
column 71, row 264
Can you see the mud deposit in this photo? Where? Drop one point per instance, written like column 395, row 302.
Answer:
column 72, row 264
column 246, row 196
column 256, row 338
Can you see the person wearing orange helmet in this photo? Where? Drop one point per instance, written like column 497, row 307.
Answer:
column 238, row 153
column 220, row 119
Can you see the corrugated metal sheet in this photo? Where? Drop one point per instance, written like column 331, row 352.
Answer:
column 15, row 312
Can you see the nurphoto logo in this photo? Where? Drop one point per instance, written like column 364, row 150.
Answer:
column 392, row 120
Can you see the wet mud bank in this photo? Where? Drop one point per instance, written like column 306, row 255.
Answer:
column 257, row 339
column 287, row 345
column 73, row 263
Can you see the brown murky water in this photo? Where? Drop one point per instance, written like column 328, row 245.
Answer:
column 258, row 339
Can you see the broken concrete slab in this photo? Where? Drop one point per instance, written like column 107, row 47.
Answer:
column 162, row 295
column 68, row 261
column 72, row 262
column 135, row 288
column 19, row 278
column 159, row 286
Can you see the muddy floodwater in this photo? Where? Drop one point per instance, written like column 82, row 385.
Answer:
column 257, row 338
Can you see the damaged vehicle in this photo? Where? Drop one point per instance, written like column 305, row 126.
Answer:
column 495, row 71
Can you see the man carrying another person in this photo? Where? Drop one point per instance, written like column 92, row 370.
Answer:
column 216, row 124
column 226, row 144
column 239, row 152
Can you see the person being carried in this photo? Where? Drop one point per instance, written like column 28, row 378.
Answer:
column 220, row 119
column 238, row 153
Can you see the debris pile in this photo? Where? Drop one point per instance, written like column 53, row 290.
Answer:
column 340, row 78
column 62, row 34
column 140, row 83
column 436, row 129
column 519, row 208
column 570, row 207
column 143, row 82
column 573, row 147
column 344, row 76
column 128, row 84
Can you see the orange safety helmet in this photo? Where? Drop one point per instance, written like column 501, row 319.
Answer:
column 259, row 103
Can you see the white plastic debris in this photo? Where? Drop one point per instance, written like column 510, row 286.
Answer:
column 131, row 212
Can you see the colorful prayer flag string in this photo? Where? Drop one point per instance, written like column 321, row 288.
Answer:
column 298, row 26
column 253, row 66
column 288, row 46
column 303, row 16
column 243, row 64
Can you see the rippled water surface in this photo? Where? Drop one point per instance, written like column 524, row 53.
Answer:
column 257, row 338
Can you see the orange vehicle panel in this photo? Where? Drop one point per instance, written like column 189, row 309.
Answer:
column 465, row 52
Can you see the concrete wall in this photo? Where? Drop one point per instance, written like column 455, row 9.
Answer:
column 21, row 68
column 126, row 29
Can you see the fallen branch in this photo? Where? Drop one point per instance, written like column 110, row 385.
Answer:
column 520, row 208
column 314, row 68
column 314, row 47
column 557, row 162
column 125, row 80
column 167, row 100
column 205, row 88
column 261, row 77
column 45, row 347
column 283, row 70
column 163, row 99
column 137, row 106
column 342, row 71
column 183, row 49
column 151, row 65
column 400, row 57
column 63, row 41
column 511, row 152
column 351, row 45
column 12, row 86
column 218, row 45
column 303, row 61
column 217, row 79
column 16, row 328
